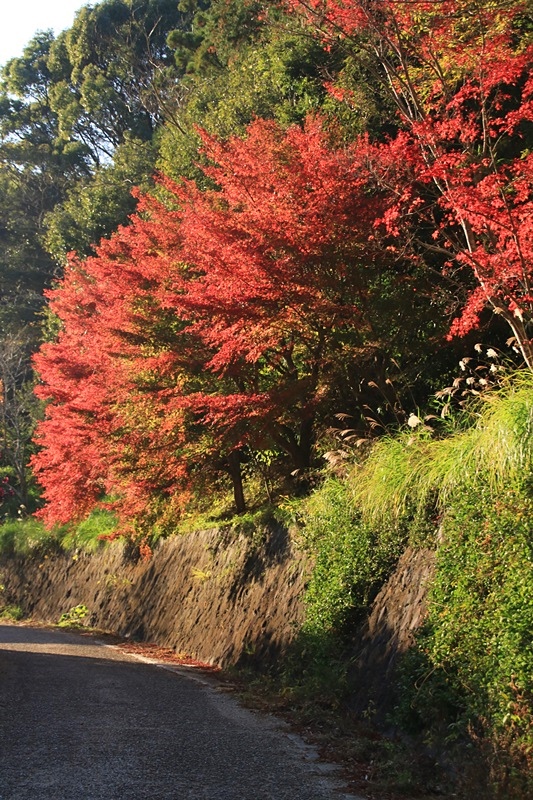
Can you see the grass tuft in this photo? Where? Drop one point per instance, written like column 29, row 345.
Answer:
column 491, row 442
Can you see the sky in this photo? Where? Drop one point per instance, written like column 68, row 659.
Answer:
column 21, row 19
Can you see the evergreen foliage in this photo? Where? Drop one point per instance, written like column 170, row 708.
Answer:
column 352, row 559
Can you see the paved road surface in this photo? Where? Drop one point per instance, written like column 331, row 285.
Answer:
column 83, row 721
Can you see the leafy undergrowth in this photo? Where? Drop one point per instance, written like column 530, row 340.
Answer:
column 10, row 613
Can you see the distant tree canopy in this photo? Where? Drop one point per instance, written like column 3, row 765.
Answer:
column 77, row 109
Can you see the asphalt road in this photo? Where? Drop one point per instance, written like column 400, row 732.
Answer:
column 83, row 721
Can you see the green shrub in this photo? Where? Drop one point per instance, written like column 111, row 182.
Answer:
column 351, row 558
column 88, row 534
column 349, row 562
column 26, row 536
column 14, row 613
column 74, row 618
column 471, row 674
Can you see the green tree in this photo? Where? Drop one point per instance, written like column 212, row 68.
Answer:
column 35, row 169
column 113, row 73
column 241, row 62
column 19, row 409
column 94, row 207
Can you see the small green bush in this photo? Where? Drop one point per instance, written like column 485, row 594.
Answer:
column 74, row 618
column 350, row 561
column 14, row 613
column 471, row 674
column 26, row 536
column 87, row 534
column 351, row 558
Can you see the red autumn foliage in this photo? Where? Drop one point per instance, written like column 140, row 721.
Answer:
column 459, row 171
column 283, row 262
column 72, row 466
column 216, row 320
column 92, row 377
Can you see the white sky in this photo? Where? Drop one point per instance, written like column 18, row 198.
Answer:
column 21, row 19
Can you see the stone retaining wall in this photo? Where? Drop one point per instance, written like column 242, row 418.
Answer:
column 219, row 597
column 214, row 595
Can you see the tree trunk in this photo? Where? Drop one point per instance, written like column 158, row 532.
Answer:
column 234, row 469
column 298, row 447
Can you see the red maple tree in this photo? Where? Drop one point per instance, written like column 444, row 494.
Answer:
column 71, row 465
column 283, row 263
column 217, row 320
column 101, row 437
column 459, row 172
